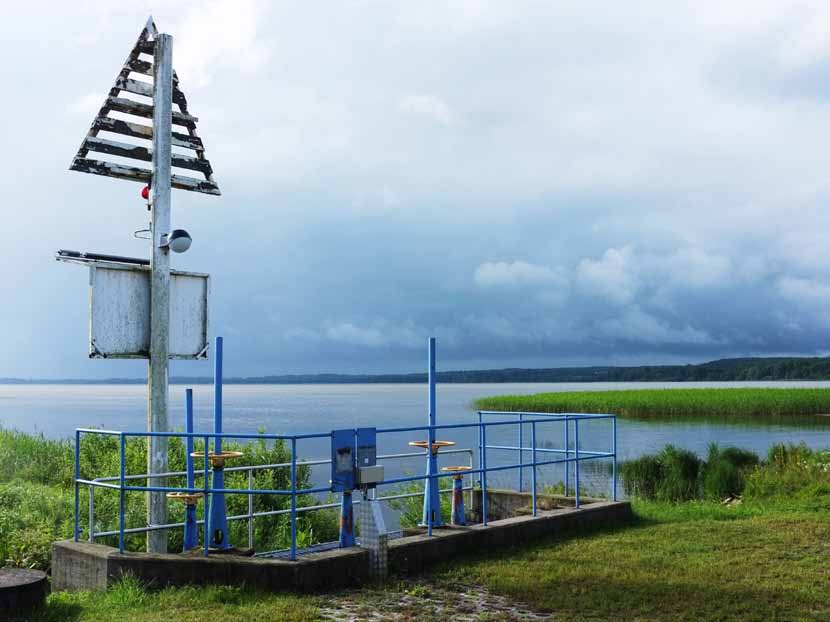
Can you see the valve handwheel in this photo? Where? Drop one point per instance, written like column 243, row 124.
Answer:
column 435, row 446
column 217, row 460
column 188, row 498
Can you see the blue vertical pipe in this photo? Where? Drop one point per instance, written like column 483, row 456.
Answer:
column 567, row 457
column 122, row 499
column 483, row 474
column 293, row 499
column 521, row 452
column 458, row 513
column 218, row 509
column 191, row 533
column 533, row 459
column 206, row 484
column 432, row 498
column 346, row 520
column 77, row 485
column 576, row 464
column 614, row 466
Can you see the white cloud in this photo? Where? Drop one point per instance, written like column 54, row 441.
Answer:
column 518, row 273
column 85, row 106
column 429, row 107
column 380, row 333
column 610, row 277
column 637, row 326
column 805, row 292
column 220, row 33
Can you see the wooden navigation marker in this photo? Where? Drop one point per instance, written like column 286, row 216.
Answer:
column 186, row 138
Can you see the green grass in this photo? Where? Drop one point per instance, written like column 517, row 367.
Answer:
column 669, row 403
column 129, row 601
column 763, row 559
column 709, row 563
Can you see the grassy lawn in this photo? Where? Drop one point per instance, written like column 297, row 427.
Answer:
column 699, row 563
column 129, row 602
column 730, row 403
column 692, row 561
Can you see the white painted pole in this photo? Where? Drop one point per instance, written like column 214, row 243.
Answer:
column 160, row 286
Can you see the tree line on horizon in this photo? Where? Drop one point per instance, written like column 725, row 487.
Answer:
column 732, row 369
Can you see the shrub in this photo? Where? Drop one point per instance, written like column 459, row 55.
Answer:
column 680, row 470
column 724, row 472
column 641, row 477
column 670, row 475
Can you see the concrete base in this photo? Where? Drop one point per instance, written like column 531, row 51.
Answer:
column 413, row 553
column 85, row 566
column 80, row 565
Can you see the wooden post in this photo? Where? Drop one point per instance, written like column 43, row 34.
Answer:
column 160, row 286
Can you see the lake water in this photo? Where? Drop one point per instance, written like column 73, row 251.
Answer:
column 56, row 410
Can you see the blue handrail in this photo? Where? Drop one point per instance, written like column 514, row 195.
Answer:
column 538, row 459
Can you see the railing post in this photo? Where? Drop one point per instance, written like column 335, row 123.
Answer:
column 567, row 456
column 191, row 530
column 470, row 480
column 521, row 452
column 576, row 469
column 250, row 509
column 614, row 466
column 484, row 474
column 533, row 458
column 206, row 497
column 122, row 498
column 91, row 514
column 293, row 499
column 480, row 444
column 77, row 477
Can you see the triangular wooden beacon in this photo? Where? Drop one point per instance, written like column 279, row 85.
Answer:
column 104, row 122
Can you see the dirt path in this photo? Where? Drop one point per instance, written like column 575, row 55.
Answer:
column 424, row 601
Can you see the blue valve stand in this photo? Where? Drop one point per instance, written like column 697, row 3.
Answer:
column 218, row 528
column 432, row 499
column 458, row 514
column 191, row 530
column 346, row 520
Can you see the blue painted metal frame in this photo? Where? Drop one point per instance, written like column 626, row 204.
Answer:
column 525, row 418
column 432, row 499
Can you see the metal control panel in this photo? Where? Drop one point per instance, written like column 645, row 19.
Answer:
column 342, row 460
column 354, row 455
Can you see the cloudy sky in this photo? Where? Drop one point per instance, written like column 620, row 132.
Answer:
column 534, row 183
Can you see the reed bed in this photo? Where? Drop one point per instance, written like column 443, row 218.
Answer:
column 673, row 403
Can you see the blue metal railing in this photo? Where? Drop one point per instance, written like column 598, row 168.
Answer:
column 533, row 420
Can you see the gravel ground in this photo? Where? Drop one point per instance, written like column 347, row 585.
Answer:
column 424, row 601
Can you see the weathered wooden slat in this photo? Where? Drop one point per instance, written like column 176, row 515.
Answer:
column 140, row 66
column 113, row 147
column 109, row 169
column 146, row 89
column 146, row 47
column 135, row 87
column 133, row 173
column 138, row 109
column 137, row 130
column 137, row 152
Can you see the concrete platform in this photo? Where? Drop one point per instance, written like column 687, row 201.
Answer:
column 21, row 590
column 85, row 566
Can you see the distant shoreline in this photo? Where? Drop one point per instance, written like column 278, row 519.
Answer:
column 722, row 370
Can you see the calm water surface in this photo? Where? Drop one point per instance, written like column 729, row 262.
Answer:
column 56, row 410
